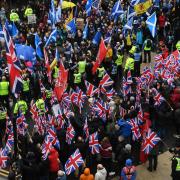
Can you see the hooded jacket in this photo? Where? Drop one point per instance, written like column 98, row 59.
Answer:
column 101, row 174
column 86, row 175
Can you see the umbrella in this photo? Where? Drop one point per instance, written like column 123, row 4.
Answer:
column 66, row 4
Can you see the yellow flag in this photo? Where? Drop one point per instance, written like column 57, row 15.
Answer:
column 141, row 8
column 53, row 64
column 69, row 18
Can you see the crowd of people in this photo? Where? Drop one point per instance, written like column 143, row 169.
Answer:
column 87, row 104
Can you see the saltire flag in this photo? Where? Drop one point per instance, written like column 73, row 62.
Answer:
column 108, row 37
column 96, row 4
column 51, row 134
column 74, row 162
column 129, row 24
column 134, row 2
column 78, row 98
column 130, row 12
column 97, row 38
column 88, row 7
column 150, row 141
column 14, row 66
column 3, row 158
column 52, row 13
column 38, row 43
column 116, row 10
column 61, row 82
column 58, row 14
column 12, row 29
column 94, row 143
column 21, row 125
column 46, row 147
column 135, row 129
column 90, row 89
column 142, row 6
column 122, row 111
column 71, row 26
column 151, row 24
column 85, row 31
column 52, row 38
column 129, row 78
column 100, row 56
column 86, row 129
column 70, row 133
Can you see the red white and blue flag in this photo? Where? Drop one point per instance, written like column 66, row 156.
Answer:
column 122, row 111
column 51, row 135
column 129, row 78
column 70, row 133
column 21, row 125
column 94, row 143
column 110, row 94
column 91, row 89
column 135, row 129
column 126, row 88
column 150, row 141
column 3, row 158
column 46, row 147
column 86, row 129
column 74, row 162
column 140, row 117
column 14, row 66
column 158, row 98
column 106, row 81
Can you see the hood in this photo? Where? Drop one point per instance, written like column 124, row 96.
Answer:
column 87, row 172
column 102, row 171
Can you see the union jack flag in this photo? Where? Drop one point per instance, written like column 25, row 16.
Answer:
column 3, row 158
column 10, row 142
column 86, row 129
column 129, row 78
column 106, row 81
column 46, row 147
column 91, row 89
column 158, row 98
column 126, row 88
column 147, row 75
column 122, row 111
column 150, row 141
column 34, row 112
column 47, row 65
column 70, row 133
column 94, row 143
column 78, row 98
column 13, row 64
column 158, row 58
column 74, row 162
column 21, row 125
column 110, row 94
column 53, row 137
column 140, row 117
column 65, row 101
column 135, row 129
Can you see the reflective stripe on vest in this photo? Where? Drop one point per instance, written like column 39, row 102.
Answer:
column 3, row 115
column 178, row 164
column 101, row 72
column 82, row 66
column 4, row 88
column 77, row 78
column 14, row 17
column 28, row 12
column 48, row 93
column 119, row 60
column 25, row 85
column 40, row 104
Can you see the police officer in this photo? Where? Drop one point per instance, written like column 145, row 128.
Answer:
column 28, row 11
column 176, row 162
column 14, row 16
column 81, row 66
column 20, row 107
column 119, row 62
column 55, row 72
column 129, row 64
column 26, row 89
column 147, row 46
column 77, row 78
column 178, row 45
column 138, row 60
column 40, row 104
column 3, row 115
column 48, row 93
column 100, row 74
column 4, row 91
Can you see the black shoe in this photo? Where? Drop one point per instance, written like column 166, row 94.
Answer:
column 155, row 168
column 149, row 169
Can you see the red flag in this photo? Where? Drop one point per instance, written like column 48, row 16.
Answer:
column 47, row 65
column 101, row 55
column 61, row 82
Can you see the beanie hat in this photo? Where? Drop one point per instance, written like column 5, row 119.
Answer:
column 128, row 162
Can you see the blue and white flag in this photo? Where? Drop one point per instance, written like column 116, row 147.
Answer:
column 134, row 2
column 97, row 38
column 116, row 10
column 71, row 26
column 38, row 48
column 1, row 33
column 85, row 31
column 96, row 4
column 151, row 24
column 129, row 24
column 26, row 53
column 107, row 38
column 58, row 14
column 12, row 29
column 57, row 55
column 88, row 7
column 52, row 13
column 52, row 38
column 130, row 12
